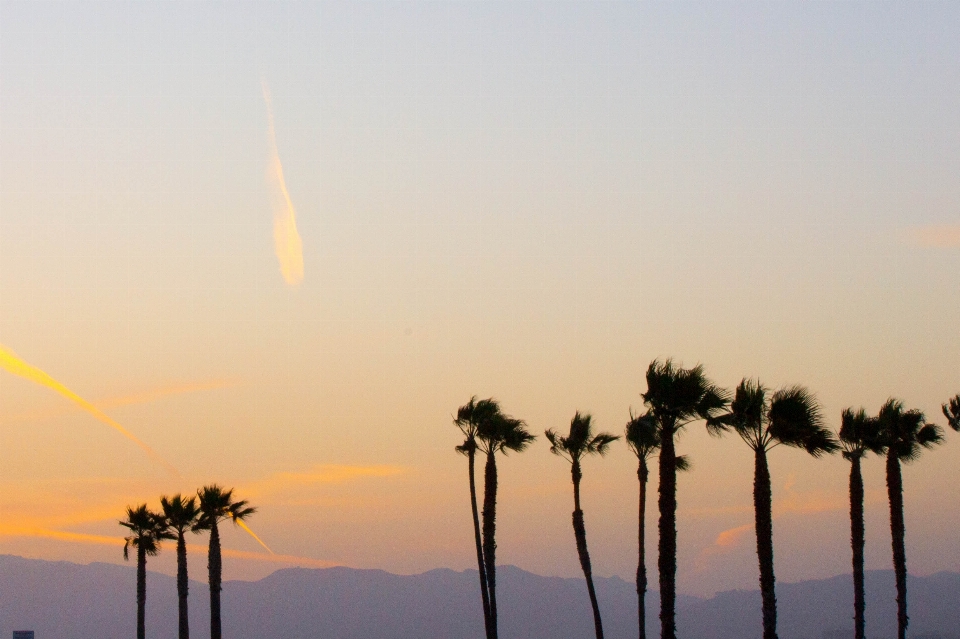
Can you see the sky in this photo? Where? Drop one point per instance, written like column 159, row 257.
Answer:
column 524, row 200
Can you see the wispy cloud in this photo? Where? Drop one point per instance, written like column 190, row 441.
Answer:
column 318, row 475
column 935, row 236
column 286, row 237
column 143, row 397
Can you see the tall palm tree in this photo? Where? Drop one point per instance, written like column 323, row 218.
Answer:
column 497, row 434
column 147, row 529
column 951, row 411
column 858, row 436
column 902, row 435
column 789, row 417
column 580, row 442
column 216, row 505
column 181, row 515
column 643, row 438
column 675, row 397
column 470, row 417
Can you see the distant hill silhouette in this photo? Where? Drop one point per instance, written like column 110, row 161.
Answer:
column 61, row 600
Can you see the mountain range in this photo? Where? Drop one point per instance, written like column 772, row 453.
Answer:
column 62, row 600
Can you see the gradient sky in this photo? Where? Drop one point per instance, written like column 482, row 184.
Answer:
column 518, row 199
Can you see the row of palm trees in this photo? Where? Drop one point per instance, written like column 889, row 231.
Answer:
column 676, row 397
column 178, row 516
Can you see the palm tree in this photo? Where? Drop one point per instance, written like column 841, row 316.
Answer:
column 574, row 447
column 500, row 433
column 952, row 412
column 643, row 438
column 147, row 529
column 790, row 417
column 902, row 435
column 469, row 418
column 858, row 436
column 216, row 505
column 181, row 515
column 675, row 397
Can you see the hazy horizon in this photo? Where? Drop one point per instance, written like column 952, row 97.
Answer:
column 526, row 200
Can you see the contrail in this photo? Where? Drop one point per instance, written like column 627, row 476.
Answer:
column 240, row 523
column 126, row 400
column 15, row 365
column 286, row 238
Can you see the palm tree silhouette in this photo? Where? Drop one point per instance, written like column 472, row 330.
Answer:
column 790, row 417
column 181, row 515
column 147, row 529
column 469, row 418
column 951, row 411
column 643, row 438
column 902, row 435
column 858, row 436
column 675, row 397
column 499, row 433
column 216, row 505
column 579, row 443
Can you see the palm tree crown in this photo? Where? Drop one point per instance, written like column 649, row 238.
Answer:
column 790, row 417
column 905, row 433
column 677, row 396
column 216, row 505
column 147, row 530
column 581, row 441
column 858, row 434
column 180, row 514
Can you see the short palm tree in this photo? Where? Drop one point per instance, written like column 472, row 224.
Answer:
column 858, row 436
column 497, row 434
column 902, row 436
column 951, row 411
column 580, row 442
column 675, row 397
column 181, row 516
column 643, row 438
column 217, row 505
column 147, row 530
column 789, row 417
column 469, row 418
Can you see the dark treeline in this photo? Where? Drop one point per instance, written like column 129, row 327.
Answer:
column 763, row 418
column 177, row 516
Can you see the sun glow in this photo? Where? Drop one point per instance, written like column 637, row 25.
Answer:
column 13, row 364
column 286, row 238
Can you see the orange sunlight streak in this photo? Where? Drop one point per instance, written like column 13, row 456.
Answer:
column 15, row 365
column 241, row 523
column 286, row 238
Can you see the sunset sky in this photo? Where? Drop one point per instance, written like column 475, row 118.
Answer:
column 525, row 200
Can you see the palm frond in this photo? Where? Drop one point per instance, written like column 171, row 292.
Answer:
column 794, row 419
column 683, row 463
column 951, row 411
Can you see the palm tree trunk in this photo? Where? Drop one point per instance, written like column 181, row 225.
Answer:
column 472, row 456
column 215, row 573
column 580, row 533
column 856, row 543
column 141, row 591
column 489, row 536
column 642, row 474
column 762, row 504
column 667, row 561
column 897, row 530
column 182, row 586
